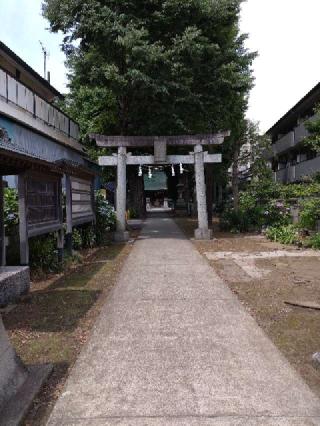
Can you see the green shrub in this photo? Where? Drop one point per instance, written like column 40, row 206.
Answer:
column 11, row 210
column 105, row 218
column 264, row 203
column 76, row 239
column 314, row 242
column 284, row 234
column 253, row 215
column 132, row 214
column 309, row 213
column 44, row 253
column 83, row 237
column 299, row 190
column 276, row 213
column 88, row 236
column 235, row 221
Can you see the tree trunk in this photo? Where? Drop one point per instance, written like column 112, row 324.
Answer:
column 136, row 199
column 235, row 176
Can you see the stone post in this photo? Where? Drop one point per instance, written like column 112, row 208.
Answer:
column 121, row 234
column 69, row 214
column 23, row 227
column 203, row 232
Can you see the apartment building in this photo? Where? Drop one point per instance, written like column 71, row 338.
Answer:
column 291, row 160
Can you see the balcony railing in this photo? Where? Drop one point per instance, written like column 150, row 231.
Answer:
column 298, row 171
column 300, row 132
column 292, row 138
column 281, row 175
column 283, row 144
column 307, row 168
column 18, row 94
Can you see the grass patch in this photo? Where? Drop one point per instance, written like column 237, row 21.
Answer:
column 51, row 324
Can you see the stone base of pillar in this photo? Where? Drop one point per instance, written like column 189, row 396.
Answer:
column 121, row 236
column 18, row 384
column 14, row 282
column 203, row 234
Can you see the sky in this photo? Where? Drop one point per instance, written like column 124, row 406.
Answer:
column 21, row 29
column 285, row 33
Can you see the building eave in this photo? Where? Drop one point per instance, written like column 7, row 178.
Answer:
column 30, row 70
column 304, row 104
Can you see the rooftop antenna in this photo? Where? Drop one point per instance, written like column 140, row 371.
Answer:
column 46, row 55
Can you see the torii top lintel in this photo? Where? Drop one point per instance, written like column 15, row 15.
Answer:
column 140, row 141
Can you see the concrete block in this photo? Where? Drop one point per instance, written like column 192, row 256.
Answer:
column 14, row 282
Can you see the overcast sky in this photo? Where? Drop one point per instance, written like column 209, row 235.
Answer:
column 21, row 28
column 286, row 34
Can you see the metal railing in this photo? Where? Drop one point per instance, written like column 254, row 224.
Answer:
column 17, row 93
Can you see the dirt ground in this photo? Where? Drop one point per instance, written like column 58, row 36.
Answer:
column 294, row 330
column 54, row 321
column 51, row 324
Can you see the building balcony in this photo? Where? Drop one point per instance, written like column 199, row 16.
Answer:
column 300, row 132
column 291, row 139
column 298, row 171
column 307, row 168
column 285, row 175
column 23, row 105
column 284, row 144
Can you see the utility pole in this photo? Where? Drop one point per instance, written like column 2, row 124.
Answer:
column 45, row 58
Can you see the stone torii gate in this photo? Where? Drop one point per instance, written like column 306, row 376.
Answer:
column 198, row 157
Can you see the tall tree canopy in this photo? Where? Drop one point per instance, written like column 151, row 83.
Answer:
column 154, row 66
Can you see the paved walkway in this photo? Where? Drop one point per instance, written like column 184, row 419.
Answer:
column 173, row 346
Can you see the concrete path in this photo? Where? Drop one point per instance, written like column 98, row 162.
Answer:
column 173, row 346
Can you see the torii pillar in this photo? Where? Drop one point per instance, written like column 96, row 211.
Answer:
column 121, row 234
column 202, row 232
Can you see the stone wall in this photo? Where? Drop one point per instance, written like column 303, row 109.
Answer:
column 14, row 282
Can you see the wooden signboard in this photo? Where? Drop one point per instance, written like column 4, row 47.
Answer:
column 82, row 201
column 40, row 208
column 79, row 204
column 43, row 199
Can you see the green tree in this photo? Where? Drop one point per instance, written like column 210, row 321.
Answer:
column 313, row 140
column 154, row 67
column 249, row 162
